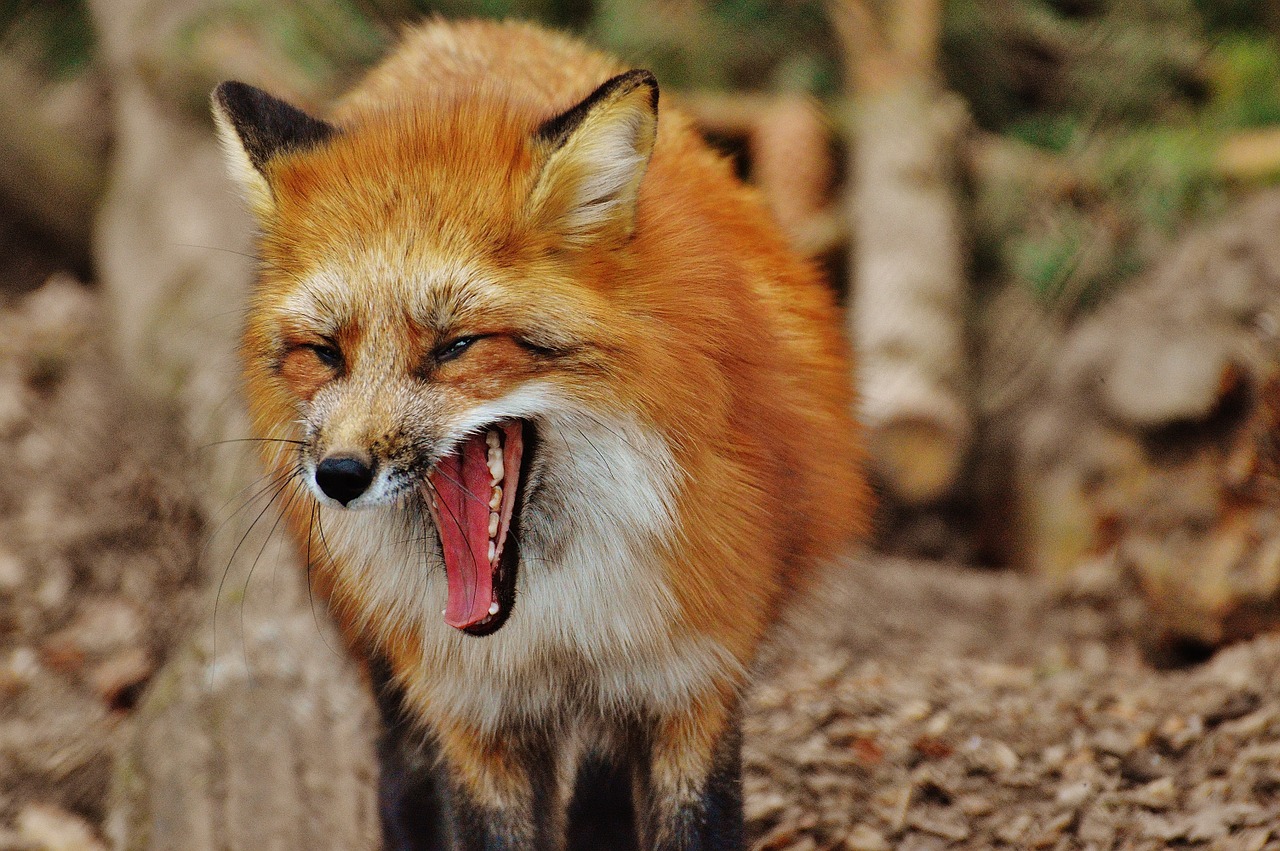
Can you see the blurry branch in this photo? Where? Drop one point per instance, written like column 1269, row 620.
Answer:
column 1252, row 155
column 733, row 115
column 1247, row 156
column 792, row 165
column 916, row 31
column 885, row 49
column 908, row 288
column 51, row 177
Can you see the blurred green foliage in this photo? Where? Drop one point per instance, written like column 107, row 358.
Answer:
column 1133, row 98
column 1245, row 82
column 725, row 44
column 689, row 44
column 58, row 32
column 314, row 36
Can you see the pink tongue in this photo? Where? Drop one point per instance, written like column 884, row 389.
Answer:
column 462, row 487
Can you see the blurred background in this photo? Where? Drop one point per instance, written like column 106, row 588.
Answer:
column 1052, row 224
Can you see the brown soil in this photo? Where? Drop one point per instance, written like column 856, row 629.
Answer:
column 916, row 706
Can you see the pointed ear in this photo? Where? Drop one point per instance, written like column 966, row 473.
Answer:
column 255, row 127
column 599, row 151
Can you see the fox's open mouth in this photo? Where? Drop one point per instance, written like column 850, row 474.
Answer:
column 474, row 501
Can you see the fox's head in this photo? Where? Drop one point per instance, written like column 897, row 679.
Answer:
column 433, row 309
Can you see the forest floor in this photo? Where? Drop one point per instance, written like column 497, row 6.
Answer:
column 915, row 706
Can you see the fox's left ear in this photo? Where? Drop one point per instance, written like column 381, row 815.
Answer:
column 599, row 152
column 254, row 128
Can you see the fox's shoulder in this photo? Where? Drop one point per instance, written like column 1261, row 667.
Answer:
column 444, row 59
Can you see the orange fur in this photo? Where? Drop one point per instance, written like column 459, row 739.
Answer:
column 693, row 320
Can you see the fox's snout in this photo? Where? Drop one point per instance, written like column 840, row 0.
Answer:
column 343, row 478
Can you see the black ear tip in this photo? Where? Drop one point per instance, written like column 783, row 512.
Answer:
column 642, row 77
column 558, row 128
column 239, row 99
column 266, row 125
column 226, row 91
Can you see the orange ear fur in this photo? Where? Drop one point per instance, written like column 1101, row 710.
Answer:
column 600, row 150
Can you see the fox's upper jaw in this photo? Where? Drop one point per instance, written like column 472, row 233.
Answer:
column 398, row 477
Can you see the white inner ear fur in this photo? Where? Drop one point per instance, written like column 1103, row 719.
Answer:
column 253, row 185
column 589, row 185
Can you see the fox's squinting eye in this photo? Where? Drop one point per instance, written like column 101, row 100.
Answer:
column 454, row 348
column 326, row 354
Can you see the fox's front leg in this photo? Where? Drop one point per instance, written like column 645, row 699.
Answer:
column 502, row 791
column 455, row 790
column 690, row 798
column 428, row 803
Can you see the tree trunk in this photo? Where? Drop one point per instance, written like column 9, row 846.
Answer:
column 908, row 287
column 52, row 180
column 258, row 733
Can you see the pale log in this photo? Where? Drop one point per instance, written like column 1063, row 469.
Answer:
column 908, row 287
column 258, row 733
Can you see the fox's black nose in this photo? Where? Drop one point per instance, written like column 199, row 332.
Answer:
column 343, row 477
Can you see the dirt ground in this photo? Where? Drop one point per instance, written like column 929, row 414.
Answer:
column 916, row 706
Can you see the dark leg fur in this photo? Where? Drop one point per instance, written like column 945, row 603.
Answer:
column 722, row 799
column 602, row 816
column 422, row 810
column 410, row 794
column 481, row 830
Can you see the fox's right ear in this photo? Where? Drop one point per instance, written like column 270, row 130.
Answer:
column 255, row 127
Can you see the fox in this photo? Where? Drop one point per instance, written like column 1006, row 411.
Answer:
column 571, row 425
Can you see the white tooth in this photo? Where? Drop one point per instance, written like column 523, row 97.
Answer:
column 493, row 607
column 495, row 498
column 493, row 523
column 494, row 456
column 493, row 551
column 442, row 612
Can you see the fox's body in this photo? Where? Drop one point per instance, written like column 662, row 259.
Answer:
column 463, row 252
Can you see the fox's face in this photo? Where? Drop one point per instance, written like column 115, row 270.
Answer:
column 429, row 319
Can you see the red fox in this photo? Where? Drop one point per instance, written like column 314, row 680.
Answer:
column 573, row 421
